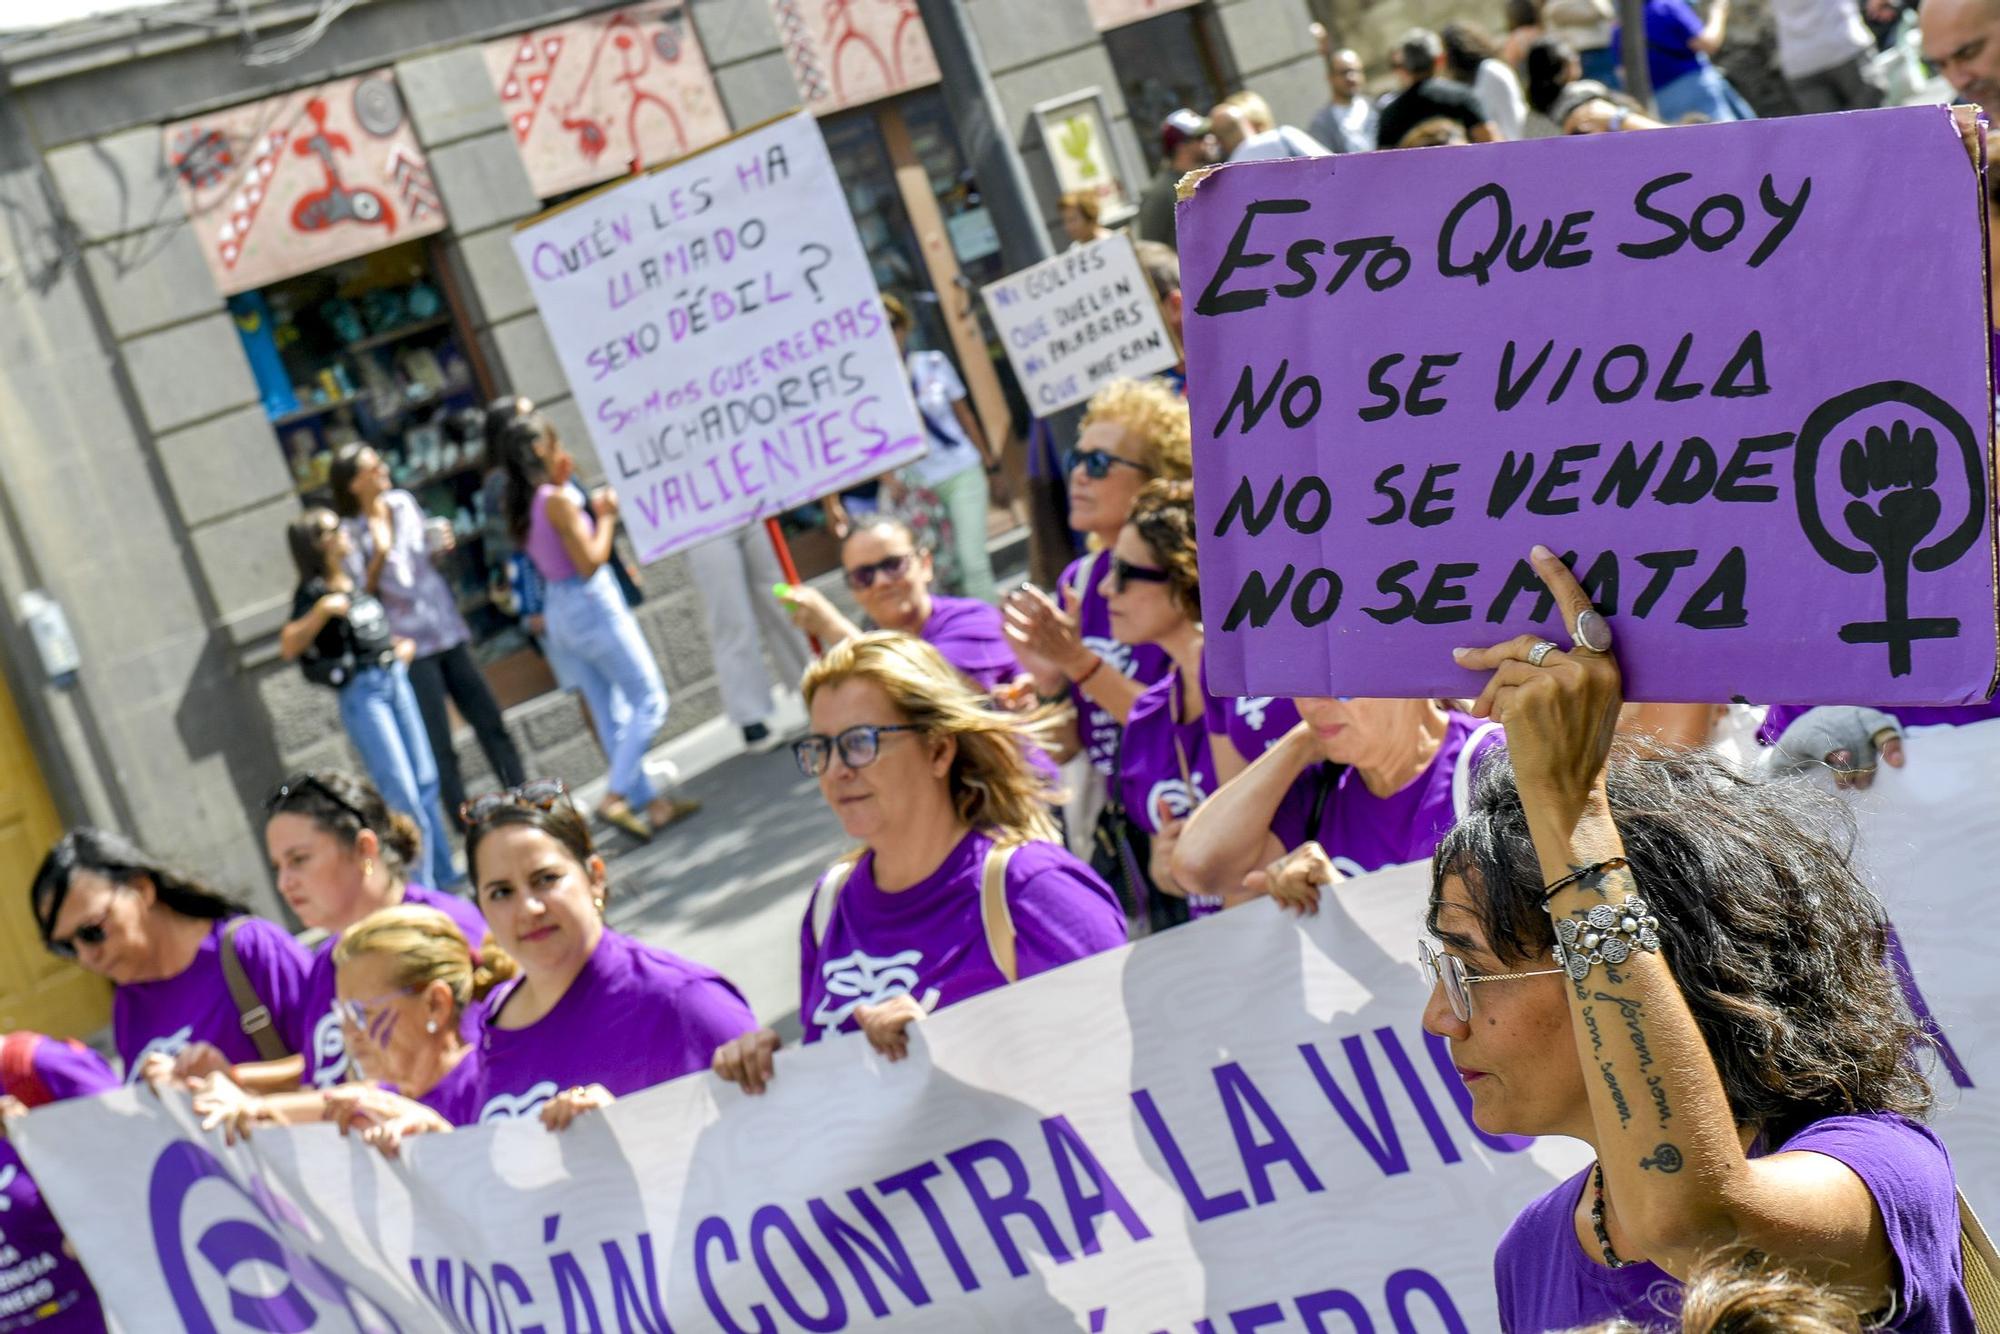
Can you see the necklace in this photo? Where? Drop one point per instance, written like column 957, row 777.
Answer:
column 1597, row 1219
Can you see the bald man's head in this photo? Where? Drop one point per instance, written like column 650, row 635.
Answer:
column 1962, row 40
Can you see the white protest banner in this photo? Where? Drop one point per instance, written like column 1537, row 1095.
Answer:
column 1930, row 839
column 1240, row 1121
column 720, row 327
column 1075, row 322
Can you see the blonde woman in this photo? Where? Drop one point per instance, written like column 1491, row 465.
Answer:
column 958, row 887
column 405, row 977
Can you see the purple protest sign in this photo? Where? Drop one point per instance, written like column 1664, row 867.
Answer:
column 1737, row 374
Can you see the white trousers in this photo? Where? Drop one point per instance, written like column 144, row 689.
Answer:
column 735, row 574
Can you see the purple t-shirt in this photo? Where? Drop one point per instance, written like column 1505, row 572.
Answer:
column 1166, row 768
column 1781, row 716
column 1253, row 723
column 319, row 1034
column 421, row 605
column 635, row 1016
column 1546, row 1281
column 456, row 1096
column 194, row 1005
column 1144, row 663
column 969, row 634
column 42, row 1286
column 929, row 941
column 1362, row 832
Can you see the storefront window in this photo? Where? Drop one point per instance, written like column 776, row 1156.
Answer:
column 370, row 351
column 1164, row 63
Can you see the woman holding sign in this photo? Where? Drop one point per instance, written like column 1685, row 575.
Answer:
column 590, row 627
column 1691, row 979
column 959, row 887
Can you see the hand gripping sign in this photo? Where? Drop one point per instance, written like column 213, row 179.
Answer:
column 719, row 325
column 1750, row 404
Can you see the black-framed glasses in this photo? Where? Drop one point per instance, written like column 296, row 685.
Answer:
column 276, row 803
column 858, row 747
column 889, row 567
column 1097, row 463
column 1124, row 572
column 1448, row 971
column 540, row 794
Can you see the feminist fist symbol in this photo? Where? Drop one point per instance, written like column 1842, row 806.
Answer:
column 1667, row 1158
column 1891, row 474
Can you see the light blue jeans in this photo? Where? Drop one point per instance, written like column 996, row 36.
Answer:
column 596, row 639
column 966, row 495
column 379, row 710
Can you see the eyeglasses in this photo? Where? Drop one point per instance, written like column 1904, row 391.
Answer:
column 275, row 804
column 1096, row 463
column 1124, row 572
column 1448, row 971
column 858, row 747
column 889, row 567
column 542, row 794
column 90, row 933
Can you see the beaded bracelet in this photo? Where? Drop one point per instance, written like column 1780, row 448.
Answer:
column 1607, row 934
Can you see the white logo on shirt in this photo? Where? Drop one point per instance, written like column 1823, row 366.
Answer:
column 1117, row 654
column 506, row 1106
column 167, row 1044
column 862, row 979
column 1251, row 710
column 1171, row 799
column 329, row 1046
column 7, row 1175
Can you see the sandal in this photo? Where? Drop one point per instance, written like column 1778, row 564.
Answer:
column 677, row 809
column 621, row 816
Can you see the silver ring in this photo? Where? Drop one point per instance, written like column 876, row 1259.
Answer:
column 1541, row 650
column 1592, row 631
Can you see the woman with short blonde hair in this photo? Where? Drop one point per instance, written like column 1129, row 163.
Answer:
column 957, row 878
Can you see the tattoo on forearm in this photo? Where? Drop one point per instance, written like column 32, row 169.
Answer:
column 1590, row 1025
column 1617, row 1093
column 1666, row 1157
column 1590, row 878
column 1657, row 1090
column 1629, row 1010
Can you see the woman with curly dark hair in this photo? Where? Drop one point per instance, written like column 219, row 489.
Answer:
column 1702, row 946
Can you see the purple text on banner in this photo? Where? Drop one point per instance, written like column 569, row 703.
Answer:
column 1737, row 374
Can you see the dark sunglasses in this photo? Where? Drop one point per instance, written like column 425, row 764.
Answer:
column 90, row 933
column 1096, row 463
column 276, row 803
column 1124, row 572
column 542, row 794
column 889, row 567
column 858, row 747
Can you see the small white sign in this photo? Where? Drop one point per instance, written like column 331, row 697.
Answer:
column 1078, row 321
column 719, row 325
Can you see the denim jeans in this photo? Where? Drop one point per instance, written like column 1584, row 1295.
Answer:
column 1707, row 91
column 593, row 634
column 966, row 495
column 379, row 710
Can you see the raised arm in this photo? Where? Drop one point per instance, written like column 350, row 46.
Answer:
column 587, row 547
column 297, row 636
column 1677, row 1176
column 1229, row 835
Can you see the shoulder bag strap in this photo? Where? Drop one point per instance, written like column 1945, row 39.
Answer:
column 1323, row 785
column 252, row 1013
column 829, row 891
column 993, row 910
column 1080, row 580
column 1461, row 774
column 1981, row 1267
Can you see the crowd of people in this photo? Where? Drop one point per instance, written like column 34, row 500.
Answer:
column 1033, row 778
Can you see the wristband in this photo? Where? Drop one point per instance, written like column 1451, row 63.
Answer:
column 1555, row 887
column 1089, row 672
column 1607, row 934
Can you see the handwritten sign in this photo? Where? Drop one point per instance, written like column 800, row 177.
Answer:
column 1075, row 322
column 1746, row 396
column 719, row 324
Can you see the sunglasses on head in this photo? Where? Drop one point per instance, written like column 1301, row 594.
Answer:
column 1097, row 463
column 275, row 804
column 542, row 794
column 889, row 567
column 859, row 747
column 1124, row 572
